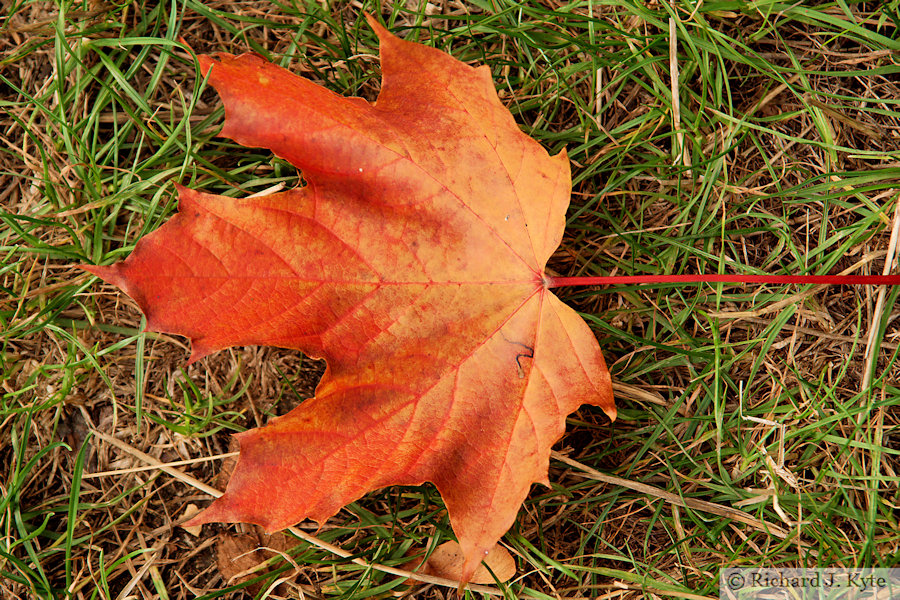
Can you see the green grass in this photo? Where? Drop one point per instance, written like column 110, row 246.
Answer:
column 790, row 126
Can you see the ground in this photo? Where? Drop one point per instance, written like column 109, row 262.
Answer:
column 758, row 425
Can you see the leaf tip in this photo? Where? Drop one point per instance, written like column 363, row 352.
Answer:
column 110, row 274
column 206, row 62
column 471, row 562
column 197, row 520
column 563, row 157
column 186, row 195
column 610, row 411
column 220, row 511
column 199, row 350
column 377, row 27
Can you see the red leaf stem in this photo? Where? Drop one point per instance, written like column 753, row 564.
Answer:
column 777, row 279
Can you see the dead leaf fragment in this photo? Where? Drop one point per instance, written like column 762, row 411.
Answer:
column 242, row 556
column 447, row 561
column 235, row 557
column 190, row 511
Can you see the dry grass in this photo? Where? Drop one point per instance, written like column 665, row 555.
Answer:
column 774, row 404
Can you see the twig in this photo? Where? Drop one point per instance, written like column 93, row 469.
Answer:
column 681, row 156
column 889, row 261
column 716, row 509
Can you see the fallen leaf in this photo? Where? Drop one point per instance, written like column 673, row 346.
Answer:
column 190, row 511
column 234, row 557
column 413, row 262
column 226, row 467
column 447, row 561
column 242, row 557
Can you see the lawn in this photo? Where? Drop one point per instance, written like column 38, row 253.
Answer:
column 759, row 425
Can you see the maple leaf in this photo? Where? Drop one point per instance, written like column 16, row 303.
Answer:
column 413, row 262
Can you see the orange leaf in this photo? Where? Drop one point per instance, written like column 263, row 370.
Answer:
column 413, row 262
